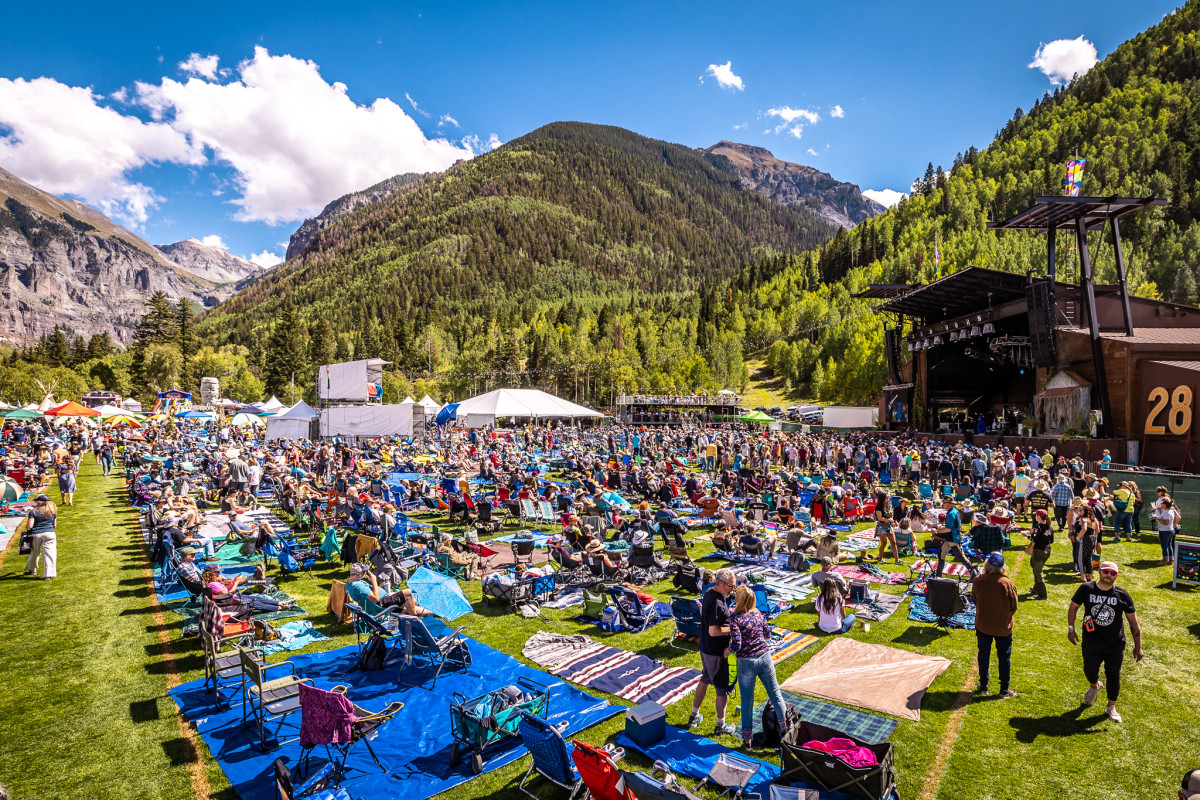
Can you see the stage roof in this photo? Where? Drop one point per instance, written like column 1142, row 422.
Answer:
column 960, row 293
column 1052, row 213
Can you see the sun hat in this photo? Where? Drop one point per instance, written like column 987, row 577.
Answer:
column 1076, row 502
column 595, row 546
column 980, row 519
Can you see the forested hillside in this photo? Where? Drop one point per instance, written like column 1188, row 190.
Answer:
column 572, row 258
column 1135, row 117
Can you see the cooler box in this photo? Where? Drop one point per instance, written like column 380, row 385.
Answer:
column 646, row 724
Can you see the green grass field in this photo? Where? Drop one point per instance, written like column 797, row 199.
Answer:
column 86, row 660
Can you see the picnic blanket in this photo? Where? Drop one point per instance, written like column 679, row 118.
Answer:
column 870, row 728
column 293, row 636
column 630, row 676
column 853, row 572
column 788, row 586
column 663, row 609
column 9, row 528
column 952, row 570
column 871, row 676
column 918, row 611
column 566, row 599
column 694, row 756
column 856, row 544
column 880, row 606
column 786, row 643
column 539, row 539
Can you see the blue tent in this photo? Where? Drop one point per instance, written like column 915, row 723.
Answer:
column 441, row 594
column 449, row 412
column 195, row 414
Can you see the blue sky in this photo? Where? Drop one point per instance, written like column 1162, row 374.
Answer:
column 127, row 109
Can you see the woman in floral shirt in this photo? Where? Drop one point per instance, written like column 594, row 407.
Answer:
column 750, row 639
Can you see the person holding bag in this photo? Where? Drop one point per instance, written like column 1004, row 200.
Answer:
column 41, row 523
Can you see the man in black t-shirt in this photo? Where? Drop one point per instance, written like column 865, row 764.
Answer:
column 1103, row 604
column 714, row 650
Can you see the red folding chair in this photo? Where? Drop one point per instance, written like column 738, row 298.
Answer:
column 601, row 775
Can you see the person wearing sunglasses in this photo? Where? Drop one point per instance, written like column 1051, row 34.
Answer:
column 714, row 650
column 1103, row 640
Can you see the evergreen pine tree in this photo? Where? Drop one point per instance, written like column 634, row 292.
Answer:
column 286, row 352
column 188, row 342
column 56, row 350
column 1184, row 290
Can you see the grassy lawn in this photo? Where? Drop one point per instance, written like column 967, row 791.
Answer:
column 85, row 666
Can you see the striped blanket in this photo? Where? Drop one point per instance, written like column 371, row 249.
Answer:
column 630, row 676
column 853, row 572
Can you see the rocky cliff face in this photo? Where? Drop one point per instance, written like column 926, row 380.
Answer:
column 304, row 235
column 64, row 263
column 794, row 184
column 210, row 263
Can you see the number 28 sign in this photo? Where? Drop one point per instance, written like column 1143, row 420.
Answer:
column 1170, row 411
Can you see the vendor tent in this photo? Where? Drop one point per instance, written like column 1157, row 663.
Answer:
column 519, row 404
column 294, row 423
column 22, row 414
column 429, row 405
column 272, row 406
column 756, row 416
column 129, row 404
column 107, row 411
column 72, row 409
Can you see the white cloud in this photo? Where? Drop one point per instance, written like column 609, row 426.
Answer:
column 417, row 108
column 214, row 240
column 203, row 66
column 62, row 140
column 725, row 77
column 266, row 259
column 885, row 197
column 448, row 120
column 741, row 127
column 812, row 152
column 296, row 141
column 837, row 112
column 477, row 145
column 794, row 119
column 1063, row 58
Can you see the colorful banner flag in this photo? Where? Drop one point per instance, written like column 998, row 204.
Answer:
column 1075, row 176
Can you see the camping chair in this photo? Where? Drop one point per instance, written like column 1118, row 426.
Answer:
column 598, row 768
column 755, row 550
column 763, row 602
column 267, row 699
column 317, row 729
column 945, row 600
column 484, row 552
column 551, row 757
column 647, row 787
column 631, row 612
column 285, row 788
column 731, row 520
column 595, row 600
column 732, row 774
column 852, row 508
column 449, row 648
column 485, row 522
column 522, row 549
column 601, row 570
column 723, row 541
column 529, row 512
column 545, row 512
column 222, row 670
column 383, row 625
column 686, row 612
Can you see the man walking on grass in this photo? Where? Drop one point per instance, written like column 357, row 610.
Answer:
column 714, row 641
column 995, row 605
column 1103, row 604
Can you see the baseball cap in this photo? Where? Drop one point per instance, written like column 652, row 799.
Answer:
column 356, row 570
column 1190, row 785
column 188, row 551
column 41, row 498
column 995, row 559
column 1109, row 565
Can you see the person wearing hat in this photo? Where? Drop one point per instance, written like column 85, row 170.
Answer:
column 595, row 548
column 1041, row 536
column 1103, row 641
column 950, row 532
column 42, row 524
column 186, row 567
column 995, row 597
column 1189, row 787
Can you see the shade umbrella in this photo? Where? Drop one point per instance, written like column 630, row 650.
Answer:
column 195, row 413
column 107, row 411
column 124, row 420
column 243, row 419
column 441, row 594
column 72, row 409
column 448, row 412
column 22, row 413
column 615, row 500
column 10, row 490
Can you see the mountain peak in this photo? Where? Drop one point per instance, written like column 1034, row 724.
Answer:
column 210, row 263
column 758, row 169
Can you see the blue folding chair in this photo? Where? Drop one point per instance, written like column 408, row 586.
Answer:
column 762, row 601
column 686, row 612
column 449, row 648
column 632, row 613
column 551, row 756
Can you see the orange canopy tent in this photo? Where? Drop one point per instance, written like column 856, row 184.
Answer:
column 72, row 409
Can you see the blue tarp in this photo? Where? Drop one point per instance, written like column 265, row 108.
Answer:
column 691, row 755
column 415, row 745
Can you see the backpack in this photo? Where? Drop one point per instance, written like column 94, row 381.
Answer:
column 772, row 732
column 797, row 562
column 373, row 654
column 264, row 631
column 689, row 578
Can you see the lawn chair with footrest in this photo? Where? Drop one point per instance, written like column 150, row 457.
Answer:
column 598, row 768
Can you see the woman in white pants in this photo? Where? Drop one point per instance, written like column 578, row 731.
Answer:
column 42, row 523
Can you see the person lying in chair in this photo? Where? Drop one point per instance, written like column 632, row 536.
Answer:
column 460, row 556
column 224, row 591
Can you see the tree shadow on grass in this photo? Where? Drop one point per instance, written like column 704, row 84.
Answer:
column 1194, row 630
column 143, row 591
column 1146, row 563
column 180, row 664
column 1069, row 723
column 921, row 636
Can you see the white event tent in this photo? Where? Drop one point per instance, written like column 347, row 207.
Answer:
column 294, row 423
column 518, row 404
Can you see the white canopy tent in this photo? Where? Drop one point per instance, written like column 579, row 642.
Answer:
column 430, row 405
column 273, row 405
column 294, row 423
column 519, row 404
column 129, row 404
